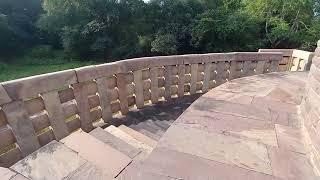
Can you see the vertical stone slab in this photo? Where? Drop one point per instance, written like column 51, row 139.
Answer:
column 81, row 95
column 123, row 96
column 138, row 81
column 194, row 79
column 22, row 127
column 154, row 85
column 274, row 66
column 233, row 70
column 181, row 80
column 207, row 75
column 4, row 97
column 104, row 96
column 220, row 71
column 246, row 68
column 55, row 114
column 260, row 67
column 168, row 79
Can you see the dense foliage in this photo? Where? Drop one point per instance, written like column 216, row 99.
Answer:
column 115, row 29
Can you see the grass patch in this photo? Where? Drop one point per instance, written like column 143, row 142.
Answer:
column 18, row 70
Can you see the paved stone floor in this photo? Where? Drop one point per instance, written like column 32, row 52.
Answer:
column 245, row 129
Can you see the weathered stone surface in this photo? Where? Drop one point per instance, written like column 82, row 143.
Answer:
column 290, row 139
column 221, row 95
column 101, row 155
column 139, row 87
column 32, row 86
column 241, row 110
column 128, row 138
column 181, row 81
column 19, row 177
column 224, row 149
column 285, row 52
column 282, row 95
column 56, row 114
column 11, row 157
column 6, row 174
column 140, row 137
column 185, row 166
column 244, row 128
column 123, row 95
column 249, row 87
column 290, row 165
column 88, row 171
column 22, row 127
column 81, row 92
column 136, row 171
column 53, row 161
column 6, row 137
column 154, row 85
column 4, row 97
column 115, row 142
column 283, row 111
column 105, row 99
column 89, row 73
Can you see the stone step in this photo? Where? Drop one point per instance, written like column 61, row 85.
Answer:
column 144, row 129
column 99, row 154
column 115, row 142
column 139, row 136
column 163, row 124
column 128, row 138
column 53, row 161
column 148, row 126
column 155, row 137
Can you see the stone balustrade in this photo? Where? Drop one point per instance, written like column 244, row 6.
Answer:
column 39, row 109
column 293, row 59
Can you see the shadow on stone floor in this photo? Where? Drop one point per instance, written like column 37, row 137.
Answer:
column 163, row 112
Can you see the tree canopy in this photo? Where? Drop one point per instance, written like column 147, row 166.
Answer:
column 116, row 29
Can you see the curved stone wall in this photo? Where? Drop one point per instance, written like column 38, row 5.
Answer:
column 39, row 109
column 310, row 110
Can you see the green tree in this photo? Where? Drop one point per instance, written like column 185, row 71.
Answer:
column 17, row 25
column 284, row 22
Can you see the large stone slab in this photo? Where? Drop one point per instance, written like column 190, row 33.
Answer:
column 115, row 142
column 225, row 149
column 244, row 128
column 53, row 161
column 290, row 139
column 32, row 86
column 88, row 171
column 268, row 103
column 185, row 166
column 101, row 155
column 282, row 95
column 22, row 127
column 136, row 171
column 290, row 165
column 222, row 95
column 249, row 87
column 56, row 115
column 248, row 111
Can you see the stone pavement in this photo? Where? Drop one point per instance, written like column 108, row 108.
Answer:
column 248, row 129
